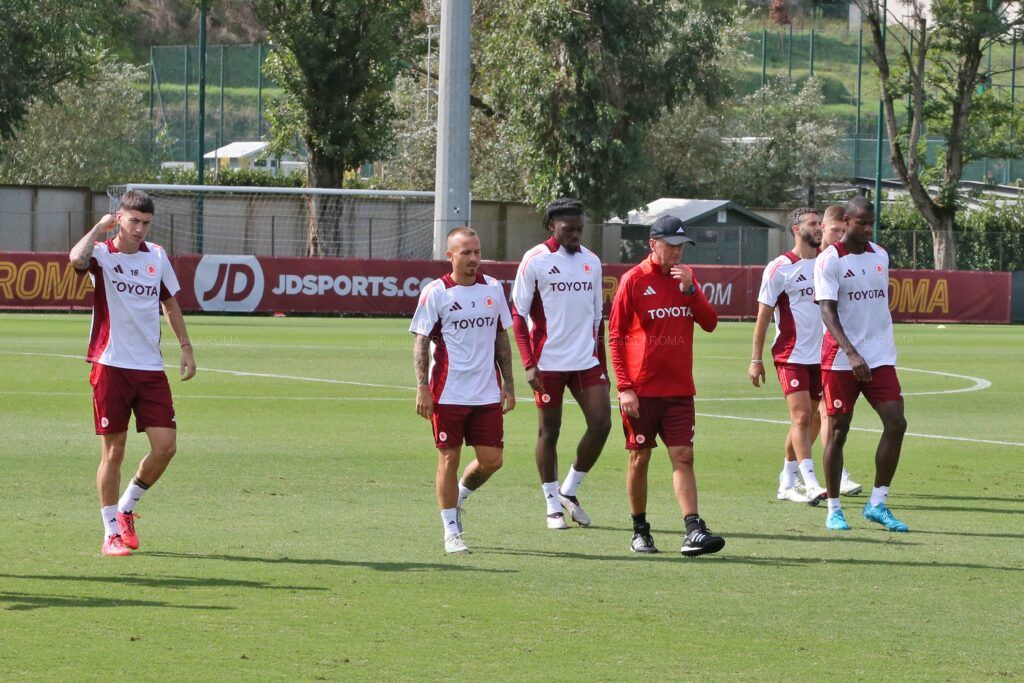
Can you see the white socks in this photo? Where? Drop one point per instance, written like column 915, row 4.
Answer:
column 787, row 479
column 807, row 471
column 464, row 493
column 572, row 482
column 551, row 497
column 131, row 496
column 450, row 520
column 879, row 495
column 109, row 515
column 834, row 504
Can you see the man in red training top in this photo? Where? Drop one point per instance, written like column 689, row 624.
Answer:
column 650, row 335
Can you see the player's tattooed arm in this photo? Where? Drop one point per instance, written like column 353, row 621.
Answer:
column 82, row 252
column 421, row 361
column 503, row 357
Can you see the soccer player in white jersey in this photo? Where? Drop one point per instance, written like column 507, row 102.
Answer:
column 557, row 316
column 463, row 316
column 787, row 294
column 832, row 230
column 133, row 279
column 858, row 356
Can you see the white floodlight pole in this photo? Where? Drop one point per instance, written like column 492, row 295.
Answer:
column 451, row 182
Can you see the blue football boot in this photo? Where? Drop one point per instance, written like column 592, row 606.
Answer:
column 883, row 515
column 836, row 521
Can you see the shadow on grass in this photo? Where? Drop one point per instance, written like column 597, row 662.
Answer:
column 136, row 581
column 816, row 539
column 454, row 566
column 726, row 558
column 934, row 496
column 21, row 602
column 958, row 508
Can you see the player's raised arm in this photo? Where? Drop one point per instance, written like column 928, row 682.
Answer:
column 82, row 251
column 172, row 312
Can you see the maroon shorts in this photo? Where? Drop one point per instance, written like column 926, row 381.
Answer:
column 576, row 380
column 117, row 392
column 842, row 388
column 671, row 417
column 474, row 425
column 795, row 377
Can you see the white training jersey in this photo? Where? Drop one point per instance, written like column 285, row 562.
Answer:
column 126, row 305
column 559, row 295
column 859, row 284
column 788, row 285
column 462, row 322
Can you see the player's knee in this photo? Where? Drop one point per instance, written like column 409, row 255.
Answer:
column 802, row 419
column 639, row 459
column 896, row 425
column 601, row 425
column 114, row 455
column 683, row 458
column 492, row 465
column 448, row 461
column 167, row 450
column 548, row 435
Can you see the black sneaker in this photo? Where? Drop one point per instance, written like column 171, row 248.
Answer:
column 701, row 541
column 642, row 541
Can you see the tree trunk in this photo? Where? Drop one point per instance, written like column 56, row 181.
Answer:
column 944, row 242
column 323, row 235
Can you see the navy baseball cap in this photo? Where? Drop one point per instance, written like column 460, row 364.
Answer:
column 671, row 230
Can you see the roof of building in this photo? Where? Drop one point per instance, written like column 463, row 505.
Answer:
column 690, row 211
column 237, row 150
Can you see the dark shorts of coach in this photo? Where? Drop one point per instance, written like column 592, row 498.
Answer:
column 796, row 377
column 842, row 388
column 118, row 392
column 671, row 417
column 555, row 384
column 472, row 425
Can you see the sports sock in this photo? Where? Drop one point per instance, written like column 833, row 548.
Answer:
column 692, row 522
column 109, row 514
column 450, row 520
column 572, row 482
column 787, row 479
column 879, row 495
column 464, row 493
column 834, row 504
column 807, row 471
column 551, row 497
column 131, row 496
column 640, row 522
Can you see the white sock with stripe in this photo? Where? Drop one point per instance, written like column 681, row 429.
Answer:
column 551, row 497
column 787, row 479
column 807, row 472
column 109, row 514
column 450, row 520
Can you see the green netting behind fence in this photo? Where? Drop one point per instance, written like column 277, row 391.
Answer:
column 237, row 95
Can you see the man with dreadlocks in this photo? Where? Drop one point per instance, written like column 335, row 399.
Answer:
column 557, row 318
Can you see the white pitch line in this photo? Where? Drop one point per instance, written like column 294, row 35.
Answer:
column 979, row 385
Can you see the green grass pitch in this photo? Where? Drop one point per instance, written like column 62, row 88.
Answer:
column 296, row 535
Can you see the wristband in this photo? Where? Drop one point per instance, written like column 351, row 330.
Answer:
column 757, row 361
column 188, row 344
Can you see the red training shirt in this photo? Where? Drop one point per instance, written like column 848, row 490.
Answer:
column 650, row 332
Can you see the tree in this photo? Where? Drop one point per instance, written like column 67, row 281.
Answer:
column 753, row 150
column 46, row 43
column 92, row 133
column 938, row 66
column 337, row 61
column 582, row 81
